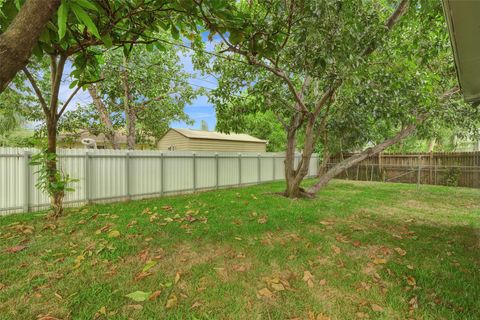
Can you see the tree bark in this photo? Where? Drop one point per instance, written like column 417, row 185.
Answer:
column 104, row 116
column 18, row 41
column 56, row 199
column 325, row 160
column 353, row 160
column 129, row 107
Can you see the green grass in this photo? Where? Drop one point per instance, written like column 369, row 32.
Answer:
column 243, row 241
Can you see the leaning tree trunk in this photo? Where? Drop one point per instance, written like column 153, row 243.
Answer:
column 353, row 160
column 18, row 41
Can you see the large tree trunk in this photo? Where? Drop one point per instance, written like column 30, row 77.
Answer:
column 292, row 189
column 353, row 160
column 294, row 176
column 18, row 41
column 104, row 116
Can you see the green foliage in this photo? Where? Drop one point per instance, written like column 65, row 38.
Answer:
column 158, row 93
column 51, row 183
column 452, row 176
column 408, row 74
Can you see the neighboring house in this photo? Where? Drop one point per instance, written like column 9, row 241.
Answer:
column 74, row 140
column 196, row 140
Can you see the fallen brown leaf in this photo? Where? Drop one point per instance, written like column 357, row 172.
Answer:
column 277, row 287
column 172, row 302
column 154, row 295
column 413, row 303
column 265, row 292
column 336, row 249
column 400, row 251
column 379, row 261
column 376, row 307
column 142, row 275
column 15, row 249
column 411, row 281
column 308, row 278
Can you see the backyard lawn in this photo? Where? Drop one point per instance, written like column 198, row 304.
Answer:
column 359, row 251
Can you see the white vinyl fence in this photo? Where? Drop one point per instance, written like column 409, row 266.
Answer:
column 115, row 175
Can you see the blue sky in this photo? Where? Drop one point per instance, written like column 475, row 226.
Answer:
column 200, row 109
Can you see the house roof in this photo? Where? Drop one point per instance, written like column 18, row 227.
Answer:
column 463, row 20
column 199, row 134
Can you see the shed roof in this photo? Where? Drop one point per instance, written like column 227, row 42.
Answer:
column 463, row 20
column 212, row 135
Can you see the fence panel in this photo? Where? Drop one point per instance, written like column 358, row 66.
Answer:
column 438, row 168
column 114, row 175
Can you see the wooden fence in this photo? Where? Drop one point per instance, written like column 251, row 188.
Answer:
column 438, row 168
column 115, row 175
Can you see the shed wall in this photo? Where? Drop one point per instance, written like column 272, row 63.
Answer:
column 173, row 138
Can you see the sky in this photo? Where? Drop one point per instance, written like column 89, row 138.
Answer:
column 200, row 109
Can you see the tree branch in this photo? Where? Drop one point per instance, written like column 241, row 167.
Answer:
column 347, row 163
column 37, row 90
column 79, row 86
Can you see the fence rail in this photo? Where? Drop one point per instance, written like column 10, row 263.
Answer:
column 115, row 175
column 437, row 168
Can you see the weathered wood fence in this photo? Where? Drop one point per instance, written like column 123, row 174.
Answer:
column 437, row 168
column 114, row 175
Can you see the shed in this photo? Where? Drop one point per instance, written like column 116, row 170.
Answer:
column 197, row 140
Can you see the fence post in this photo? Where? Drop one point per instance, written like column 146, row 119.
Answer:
column 194, row 158
column 259, row 178
column 239, row 169
column 26, row 182
column 127, row 173
column 216, row 171
column 87, row 176
column 419, row 172
column 162, row 175
column 273, row 166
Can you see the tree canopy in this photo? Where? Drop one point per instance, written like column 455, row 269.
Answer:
column 340, row 74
